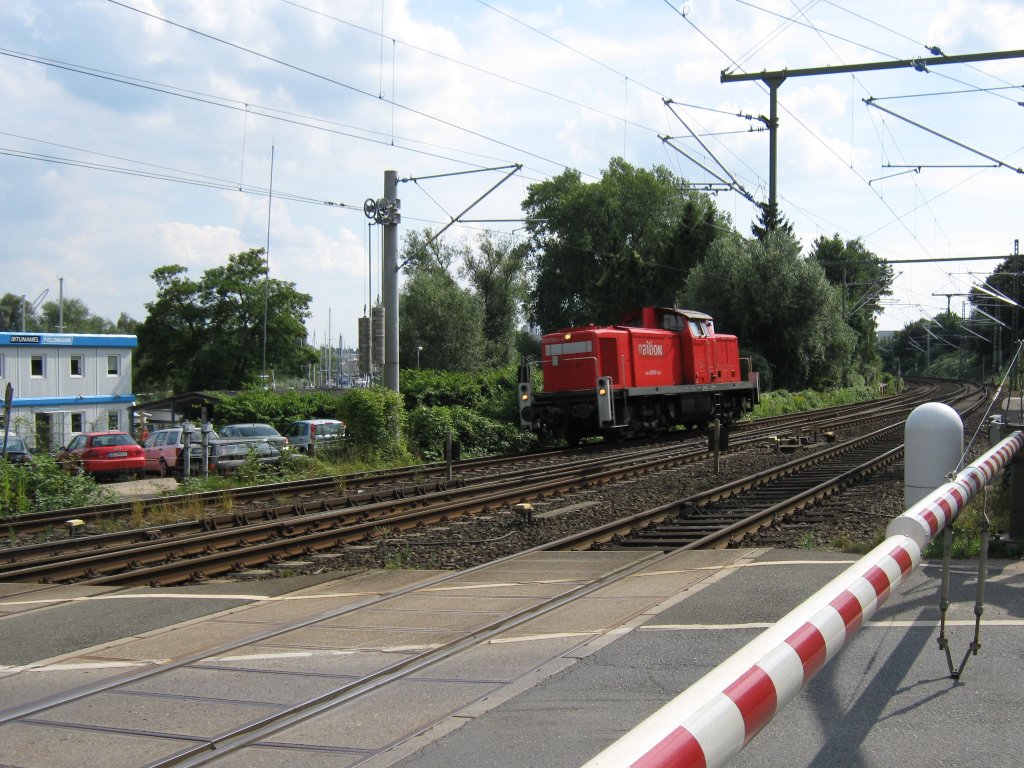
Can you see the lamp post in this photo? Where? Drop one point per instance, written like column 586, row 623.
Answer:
column 418, row 350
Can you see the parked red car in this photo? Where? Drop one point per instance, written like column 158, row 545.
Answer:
column 103, row 453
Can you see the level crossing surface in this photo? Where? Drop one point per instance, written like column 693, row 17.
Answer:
column 885, row 700
column 558, row 693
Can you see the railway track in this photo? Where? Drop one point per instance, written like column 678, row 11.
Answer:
column 307, row 494
column 219, row 544
column 327, row 695
column 724, row 515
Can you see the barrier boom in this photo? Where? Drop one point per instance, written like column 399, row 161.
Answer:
column 712, row 720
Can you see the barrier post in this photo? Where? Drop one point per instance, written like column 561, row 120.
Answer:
column 711, row 721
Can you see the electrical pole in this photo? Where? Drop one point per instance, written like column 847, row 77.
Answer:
column 774, row 79
column 390, row 270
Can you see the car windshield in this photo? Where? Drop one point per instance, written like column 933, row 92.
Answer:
column 16, row 444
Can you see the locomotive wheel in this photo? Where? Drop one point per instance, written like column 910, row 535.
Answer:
column 572, row 436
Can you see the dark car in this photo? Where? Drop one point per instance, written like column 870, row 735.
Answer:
column 255, row 430
column 103, row 453
column 226, row 455
column 17, row 450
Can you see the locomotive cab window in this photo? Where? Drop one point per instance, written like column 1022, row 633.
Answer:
column 698, row 328
column 671, row 322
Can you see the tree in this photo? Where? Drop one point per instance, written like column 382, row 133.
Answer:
column 208, row 333
column 496, row 273
column 769, row 219
column 76, row 318
column 863, row 279
column 923, row 341
column 437, row 315
column 780, row 305
column 992, row 315
column 13, row 314
column 600, row 250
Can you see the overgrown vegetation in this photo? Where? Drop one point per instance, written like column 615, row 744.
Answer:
column 994, row 504
column 780, row 402
column 41, row 485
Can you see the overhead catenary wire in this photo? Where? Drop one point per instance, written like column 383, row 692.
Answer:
column 271, row 113
column 481, row 70
column 339, row 83
column 932, row 49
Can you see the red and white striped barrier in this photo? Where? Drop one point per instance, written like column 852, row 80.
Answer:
column 712, row 720
column 938, row 509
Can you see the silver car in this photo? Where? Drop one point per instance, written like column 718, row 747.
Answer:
column 307, row 435
column 263, row 431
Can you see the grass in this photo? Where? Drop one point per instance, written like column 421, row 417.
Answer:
column 807, row 540
column 993, row 504
column 396, row 560
column 780, row 402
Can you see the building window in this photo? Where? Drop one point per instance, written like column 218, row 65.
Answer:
column 113, row 365
column 77, row 422
column 77, row 366
column 38, row 367
column 113, row 419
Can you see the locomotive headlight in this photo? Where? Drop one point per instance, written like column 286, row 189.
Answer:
column 568, row 336
column 602, row 392
column 524, row 397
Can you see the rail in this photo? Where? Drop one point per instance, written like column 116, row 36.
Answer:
column 711, row 721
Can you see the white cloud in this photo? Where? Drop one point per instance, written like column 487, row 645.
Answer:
column 105, row 232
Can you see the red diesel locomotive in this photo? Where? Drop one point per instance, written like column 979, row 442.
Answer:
column 658, row 369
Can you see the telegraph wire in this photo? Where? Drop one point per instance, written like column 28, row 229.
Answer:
column 565, row 45
column 812, row 27
column 932, row 49
column 950, row 93
column 270, row 113
column 772, row 36
column 475, row 68
column 339, row 83
column 208, row 182
column 858, row 82
column 814, row 134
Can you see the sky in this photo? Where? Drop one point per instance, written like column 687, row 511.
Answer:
column 141, row 133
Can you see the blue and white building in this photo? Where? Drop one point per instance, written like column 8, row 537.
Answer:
column 66, row 383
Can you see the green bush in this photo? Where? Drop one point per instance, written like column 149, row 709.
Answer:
column 279, row 410
column 489, row 393
column 375, row 420
column 41, row 486
column 477, row 435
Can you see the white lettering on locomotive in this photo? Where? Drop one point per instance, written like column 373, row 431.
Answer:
column 650, row 349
